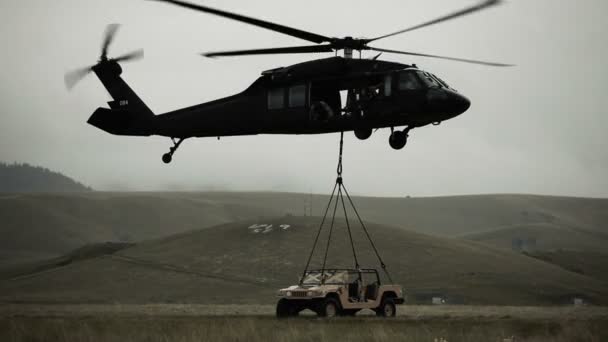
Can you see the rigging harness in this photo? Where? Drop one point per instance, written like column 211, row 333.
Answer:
column 339, row 198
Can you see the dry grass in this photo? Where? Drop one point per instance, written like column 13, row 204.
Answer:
column 404, row 312
column 256, row 323
column 303, row 329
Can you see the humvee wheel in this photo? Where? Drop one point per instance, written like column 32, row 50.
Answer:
column 387, row 308
column 285, row 309
column 329, row 308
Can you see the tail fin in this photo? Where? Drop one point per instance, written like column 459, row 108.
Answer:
column 128, row 114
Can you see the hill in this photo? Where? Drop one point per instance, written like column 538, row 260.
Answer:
column 592, row 264
column 39, row 226
column 42, row 226
column 236, row 263
column 18, row 178
column 542, row 237
column 87, row 252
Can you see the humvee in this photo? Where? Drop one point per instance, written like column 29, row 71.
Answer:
column 339, row 292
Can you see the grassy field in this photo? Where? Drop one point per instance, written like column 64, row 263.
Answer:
column 251, row 323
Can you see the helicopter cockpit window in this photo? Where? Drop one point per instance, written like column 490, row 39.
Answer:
column 442, row 82
column 428, row 80
column 276, row 98
column 297, row 96
column 408, row 81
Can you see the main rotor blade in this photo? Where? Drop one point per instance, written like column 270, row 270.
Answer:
column 108, row 38
column 442, row 57
column 273, row 51
column 485, row 4
column 137, row 54
column 311, row 37
column 73, row 77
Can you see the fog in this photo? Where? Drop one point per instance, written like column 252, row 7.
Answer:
column 539, row 127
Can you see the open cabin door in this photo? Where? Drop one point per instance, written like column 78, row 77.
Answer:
column 325, row 102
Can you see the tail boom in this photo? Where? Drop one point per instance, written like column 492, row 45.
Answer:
column 128, row 114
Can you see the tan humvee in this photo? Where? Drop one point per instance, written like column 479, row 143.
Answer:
column 338, row 292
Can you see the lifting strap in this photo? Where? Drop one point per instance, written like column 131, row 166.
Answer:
column 339, row 197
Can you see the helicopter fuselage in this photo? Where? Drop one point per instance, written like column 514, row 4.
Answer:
column 322, row 96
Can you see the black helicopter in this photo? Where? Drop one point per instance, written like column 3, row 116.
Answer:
column 300, row 99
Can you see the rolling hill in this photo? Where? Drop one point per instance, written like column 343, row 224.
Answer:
column 246, row 261
column 40, row 226
column 542, row 237
column 592, row 264
column 17, row 178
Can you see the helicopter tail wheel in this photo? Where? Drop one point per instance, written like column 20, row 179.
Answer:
column 398, row 139
column 363, row 133
column 168, row 157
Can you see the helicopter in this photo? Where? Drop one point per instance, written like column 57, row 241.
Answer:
column 305, row 98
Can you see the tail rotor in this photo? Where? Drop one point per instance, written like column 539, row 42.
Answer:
column 73, row 77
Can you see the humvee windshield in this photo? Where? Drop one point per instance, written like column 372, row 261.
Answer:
column 339, row 277
column 331, row 277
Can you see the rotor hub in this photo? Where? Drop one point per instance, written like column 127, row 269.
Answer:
column 349, row 43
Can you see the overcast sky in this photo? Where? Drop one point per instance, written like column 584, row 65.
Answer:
column 539, row 127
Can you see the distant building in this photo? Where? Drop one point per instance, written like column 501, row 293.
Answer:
column 530, row 244
column 437, row 301
column 523, row 244
column 517, row 244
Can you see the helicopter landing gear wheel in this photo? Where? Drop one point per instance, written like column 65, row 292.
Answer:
column 398, row 139
column 363, row 133
column 168, row 157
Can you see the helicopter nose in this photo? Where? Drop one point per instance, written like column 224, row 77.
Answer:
column 448, row 103
column 459, row 103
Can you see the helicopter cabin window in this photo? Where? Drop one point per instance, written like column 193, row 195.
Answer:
column 388, row 85
column 408, row 81
column 297, row 96
column 276, row 98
